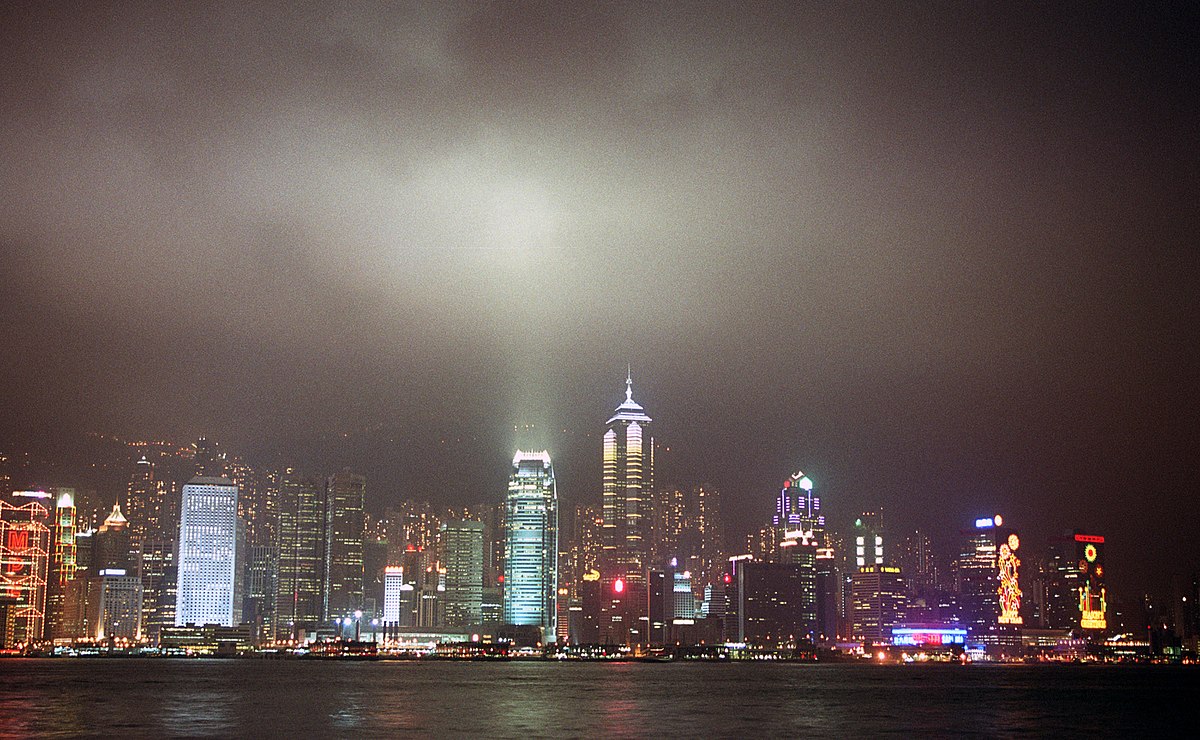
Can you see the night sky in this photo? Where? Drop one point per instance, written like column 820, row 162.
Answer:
column 941, row 257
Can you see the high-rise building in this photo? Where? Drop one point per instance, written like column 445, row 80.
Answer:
column 344, row 532
column 462, row 557
column 115, row 595
column 987, row 582
column 115, row 605
column 139, row 499
column 299, row 601
column 210, row 461
column 159, row 592
column 916, row 561
column 531, row 548
column 797, row 506
column 878, row 602
column 25, row 553
column 763, row 601
column 111, row 546
column 628, row 468
column 262, row 586
column 868, row 539
column 828, row 580
column 209, row 588
column 62, row 565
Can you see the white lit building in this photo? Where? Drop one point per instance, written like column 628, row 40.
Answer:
column 208, row 589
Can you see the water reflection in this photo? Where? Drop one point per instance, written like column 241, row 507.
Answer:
column 257, row 698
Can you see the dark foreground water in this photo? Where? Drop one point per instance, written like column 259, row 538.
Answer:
column 133, row 697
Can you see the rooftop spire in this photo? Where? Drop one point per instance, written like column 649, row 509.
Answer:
column 628, row 382
column 116, row 518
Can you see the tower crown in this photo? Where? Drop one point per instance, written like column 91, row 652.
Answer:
column 629, row 410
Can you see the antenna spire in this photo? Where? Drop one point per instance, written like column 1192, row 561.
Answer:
column 628, row 382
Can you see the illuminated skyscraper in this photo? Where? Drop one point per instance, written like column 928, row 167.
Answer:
column 115, row 594
column 628, row 487
column 868, row 539
column 25, row 554
column 986, row 578
column 345, row 494
column 62, row 565
column 159, row 592
column 209, row 557
column 877, row 602
column 462, row 557
column 299, row 600
column 531, row 546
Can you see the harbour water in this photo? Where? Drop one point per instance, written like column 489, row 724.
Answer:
column 165, row 697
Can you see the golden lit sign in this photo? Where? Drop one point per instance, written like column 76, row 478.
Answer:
column 1093, row 596
column 1093, row 607
column 1009, row 589
column 591, row 575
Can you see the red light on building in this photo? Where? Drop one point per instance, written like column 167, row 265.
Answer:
column 728, row 578
column 618, row 586
column 1089, row 538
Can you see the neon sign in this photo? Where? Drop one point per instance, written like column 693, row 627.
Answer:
column 1009, row 589
column 1093, row 596
column 1092, row 608
column 928, row 636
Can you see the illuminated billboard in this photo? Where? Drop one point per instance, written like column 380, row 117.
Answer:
column 929, row 635
column 1093, row 597
column 1009, row 589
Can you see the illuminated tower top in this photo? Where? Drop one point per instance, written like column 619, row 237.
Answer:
column 629, row 410
column 115, row 520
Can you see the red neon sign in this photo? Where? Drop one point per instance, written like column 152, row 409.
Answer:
column 1089, row 538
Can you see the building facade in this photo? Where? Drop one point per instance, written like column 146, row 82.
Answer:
column 628, row 468
column 531, row 546
column 299, row 595
column 209, row 558
column 462, row 557
column 345, row 495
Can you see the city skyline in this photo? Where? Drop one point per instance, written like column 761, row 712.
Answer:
column 936, row 256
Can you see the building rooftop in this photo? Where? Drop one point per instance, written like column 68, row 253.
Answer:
column 210, row 480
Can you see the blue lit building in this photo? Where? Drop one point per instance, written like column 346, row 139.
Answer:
column 531, row 545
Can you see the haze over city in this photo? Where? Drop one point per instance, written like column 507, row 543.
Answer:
column 940, row 257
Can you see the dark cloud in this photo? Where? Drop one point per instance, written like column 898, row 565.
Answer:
column 939, row 256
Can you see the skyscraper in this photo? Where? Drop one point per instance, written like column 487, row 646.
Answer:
column 878, row 602
column 462, row 557
column 531, row 546
column 987, row 581
column 62, row 565
column 344, row 531
column 209, row 557
column 114, row 601
column 868, row 539
column 299, row 600
column 25, row 553
column 140, row 499
column 628, row 488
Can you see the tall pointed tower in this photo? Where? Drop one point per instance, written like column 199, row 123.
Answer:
column 628, row 490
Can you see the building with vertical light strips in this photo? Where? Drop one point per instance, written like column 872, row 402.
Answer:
column 531, row 544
